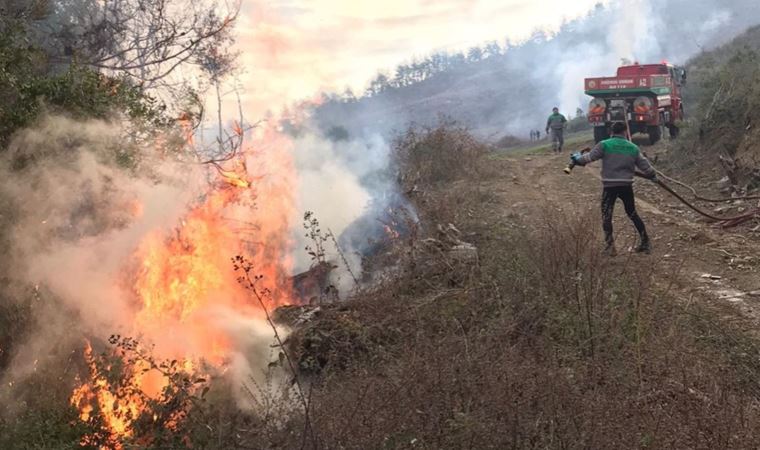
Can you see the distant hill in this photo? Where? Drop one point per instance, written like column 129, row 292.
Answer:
column 509, row 89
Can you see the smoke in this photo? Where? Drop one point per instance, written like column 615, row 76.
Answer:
column 514, row 92
column 90, row 208
column 634, row 32
column 632, row 36
column 73, row 225
column 644, row 31
column 571, row 73
column 344, row 182
column 76, row 212
column 115, row 237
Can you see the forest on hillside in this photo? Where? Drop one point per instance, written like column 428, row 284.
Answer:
column 510, row 87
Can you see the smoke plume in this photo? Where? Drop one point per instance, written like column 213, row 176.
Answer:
column 513, row 92
column 120, row 240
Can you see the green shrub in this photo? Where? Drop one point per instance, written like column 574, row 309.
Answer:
column 577, row 124
column 29, row 84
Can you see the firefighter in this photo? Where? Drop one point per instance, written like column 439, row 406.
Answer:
column 620, row 159
column 556, row 124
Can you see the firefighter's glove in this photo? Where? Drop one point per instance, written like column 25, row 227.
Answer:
column 576, row 158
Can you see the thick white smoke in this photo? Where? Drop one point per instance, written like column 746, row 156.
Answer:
column 631, row 35
column 333, row 184
column 75, row 224
column 630, row 31
column 635, row 32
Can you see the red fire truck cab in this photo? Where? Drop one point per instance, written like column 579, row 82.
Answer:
column 647, row 96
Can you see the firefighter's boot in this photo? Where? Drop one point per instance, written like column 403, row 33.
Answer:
column 644, row 245
column 609, row 247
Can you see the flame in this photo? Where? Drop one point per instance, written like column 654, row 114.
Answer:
column 183, row 278
column 238, row 177
column 116, row 412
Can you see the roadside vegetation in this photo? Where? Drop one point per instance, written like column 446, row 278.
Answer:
column 722, row 127
column 540, row 344
column 484, row 332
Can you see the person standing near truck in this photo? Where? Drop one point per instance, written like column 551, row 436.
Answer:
column 555, row 125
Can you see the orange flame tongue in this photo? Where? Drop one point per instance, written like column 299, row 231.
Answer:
column 184, row 277
column 235, row 179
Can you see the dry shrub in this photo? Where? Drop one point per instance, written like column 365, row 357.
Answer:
column 555, row 347
column 430, row 156
column 440, row 170
column 726, row 97
column 509, row 141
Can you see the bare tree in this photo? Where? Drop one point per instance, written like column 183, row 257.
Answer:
column 148, row 40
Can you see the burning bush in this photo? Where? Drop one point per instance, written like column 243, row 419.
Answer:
column 123, row 261
column 128, row 397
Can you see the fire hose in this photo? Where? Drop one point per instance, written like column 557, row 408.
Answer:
column 725, row 222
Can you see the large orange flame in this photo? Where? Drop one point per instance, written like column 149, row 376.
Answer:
column 182, row 277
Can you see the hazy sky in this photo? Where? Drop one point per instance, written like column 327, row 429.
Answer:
column 292, row 49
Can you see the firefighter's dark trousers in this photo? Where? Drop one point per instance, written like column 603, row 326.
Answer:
column 609, row 197
column 558, row 138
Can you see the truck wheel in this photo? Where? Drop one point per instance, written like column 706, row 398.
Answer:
column 601, row 133
column 655, row 134
column 673, row 131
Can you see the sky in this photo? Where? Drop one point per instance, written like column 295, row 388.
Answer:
column 291, row 50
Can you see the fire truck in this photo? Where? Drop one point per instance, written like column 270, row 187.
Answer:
column 647, row 96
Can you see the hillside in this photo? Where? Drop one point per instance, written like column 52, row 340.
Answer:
column 725, row 112
column 543, row 342
column 510, row 88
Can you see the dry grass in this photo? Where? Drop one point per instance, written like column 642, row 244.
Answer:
column 549, row 346
column 552, row 348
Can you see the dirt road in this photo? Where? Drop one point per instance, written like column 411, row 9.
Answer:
column 721, row 267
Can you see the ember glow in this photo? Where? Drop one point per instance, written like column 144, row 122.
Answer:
column 183, row 285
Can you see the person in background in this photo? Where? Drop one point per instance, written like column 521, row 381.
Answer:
column 556, row 125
